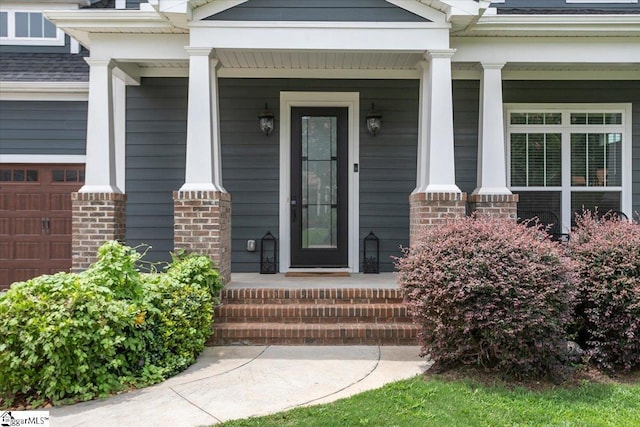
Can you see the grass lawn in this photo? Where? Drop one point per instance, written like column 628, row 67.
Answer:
column 465, row 402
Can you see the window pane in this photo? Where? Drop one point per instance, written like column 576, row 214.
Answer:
column 4, row 30
column 535, row 150
column 5, row 175
column 595, row 118
column 71, row 175
column 58, row 175
column 613, row 118
column 535, row 118
column 518, row 159
column 35, row 24
column 545, row 205
column 22, row 24
column 578, row 159
column 18, row 175
column 553, row 118
column 32, row 175
column 554, row 159
column 613, row 157
column 49, row 29
column 578, row 118
column 518, row 119
column 600, row 201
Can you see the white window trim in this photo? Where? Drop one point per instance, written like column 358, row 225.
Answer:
column 626, row 189
column 42, row 158
column 351, row 100
column 11, row 38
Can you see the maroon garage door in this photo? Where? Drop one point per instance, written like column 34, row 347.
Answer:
column 35, row 219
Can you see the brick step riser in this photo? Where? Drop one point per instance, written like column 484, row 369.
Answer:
column 312, row 314
column 325, row 301
column 311, row 341
column 316, row 296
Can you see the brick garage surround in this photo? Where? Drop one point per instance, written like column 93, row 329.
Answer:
column 494, row 205
column 428, row 209
column 202, row 224
column 96, row 218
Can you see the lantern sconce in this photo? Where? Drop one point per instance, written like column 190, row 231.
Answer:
column 371, row 256
column 374, row 121
column 266, row 120
column 268, row 254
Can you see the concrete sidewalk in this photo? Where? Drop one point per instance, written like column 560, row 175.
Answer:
column 238, row 382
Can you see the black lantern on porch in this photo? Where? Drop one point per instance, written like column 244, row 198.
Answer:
column 268, row 254
column 371, row 258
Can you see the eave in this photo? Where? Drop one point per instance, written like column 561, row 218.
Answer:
column 555, row 26
column 81, row 23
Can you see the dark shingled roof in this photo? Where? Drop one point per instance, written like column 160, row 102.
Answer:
column 561, row 7
column 48, row 67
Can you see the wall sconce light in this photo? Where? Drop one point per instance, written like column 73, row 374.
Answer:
column 266, row 120
column 374, row 121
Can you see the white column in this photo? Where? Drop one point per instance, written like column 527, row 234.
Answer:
column 203, row 164
column 119, row 129
column 436, row 164
column 492, row 159
column 100, row 175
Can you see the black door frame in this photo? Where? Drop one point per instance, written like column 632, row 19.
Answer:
column 314, row 257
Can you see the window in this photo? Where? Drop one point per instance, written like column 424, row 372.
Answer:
column 566, row 158
column 28, row 28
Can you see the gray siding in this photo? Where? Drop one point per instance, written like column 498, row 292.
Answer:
column 317, row 10
column 155, row 157
column 585, row 92
column 466, row 99
column 562, row 7
column 43, row 127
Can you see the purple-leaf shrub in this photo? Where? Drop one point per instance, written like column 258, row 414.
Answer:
column 607, row 255
column 490, row 292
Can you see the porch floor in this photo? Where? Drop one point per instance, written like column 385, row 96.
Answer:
column 278, row 281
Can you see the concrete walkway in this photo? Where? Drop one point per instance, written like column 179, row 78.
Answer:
column 238, row 382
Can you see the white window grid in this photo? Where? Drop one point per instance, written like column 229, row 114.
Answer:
column 565, row 128
column 11, row 38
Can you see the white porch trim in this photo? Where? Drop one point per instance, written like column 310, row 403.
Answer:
column 351, row 100
column 42, row 158
column 44, row 91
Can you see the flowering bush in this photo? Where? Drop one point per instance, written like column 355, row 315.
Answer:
column 490, row 292
column 607, row 255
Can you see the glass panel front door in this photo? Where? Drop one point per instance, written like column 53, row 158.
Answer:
column 318, row 187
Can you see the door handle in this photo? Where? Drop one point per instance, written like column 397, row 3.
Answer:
column 294, row 209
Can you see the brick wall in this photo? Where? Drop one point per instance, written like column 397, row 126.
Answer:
column 96, row 218
column 494, row 205
column 428, row 209
column 202, row 224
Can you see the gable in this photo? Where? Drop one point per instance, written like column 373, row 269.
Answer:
column 317, row 10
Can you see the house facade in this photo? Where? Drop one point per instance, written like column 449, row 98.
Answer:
column 139, row 121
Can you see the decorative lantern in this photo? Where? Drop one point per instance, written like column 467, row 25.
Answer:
column 371, row 259
column 374, row 120
column 266, row 119
column 268, row 254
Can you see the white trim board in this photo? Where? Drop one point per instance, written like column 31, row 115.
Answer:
column 42, row 158
column 44, row 91
column 351, row 100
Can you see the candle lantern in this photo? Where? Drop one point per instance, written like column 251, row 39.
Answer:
column 371, row 258
column 268, row 254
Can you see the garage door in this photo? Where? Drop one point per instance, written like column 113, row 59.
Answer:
column 35, row 219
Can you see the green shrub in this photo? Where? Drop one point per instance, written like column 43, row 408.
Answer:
column 65, row 336
column 490, row 292
column 607, row 254
column 78, row 336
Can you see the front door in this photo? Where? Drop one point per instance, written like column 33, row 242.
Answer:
column 319, row 196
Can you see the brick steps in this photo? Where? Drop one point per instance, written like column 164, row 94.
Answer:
column 320, row 334
column 312, row 313
column 329, row 316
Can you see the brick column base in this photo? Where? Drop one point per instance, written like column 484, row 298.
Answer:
column 96, row 218
column 429, row 209
column 202, row 224
column 494, row 205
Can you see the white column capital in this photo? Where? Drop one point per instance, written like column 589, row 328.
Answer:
column 439, row 53
column 199, row 51
column 492, row 65
column 101, row 62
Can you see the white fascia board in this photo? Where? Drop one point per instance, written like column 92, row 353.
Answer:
column 42, row 158
column 44, row 91
column 320, row 35
column 140, row 47
column 291, row 73
column 557, row 24
column 623, row 50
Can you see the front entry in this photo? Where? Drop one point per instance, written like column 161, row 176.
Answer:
column 319, row 187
